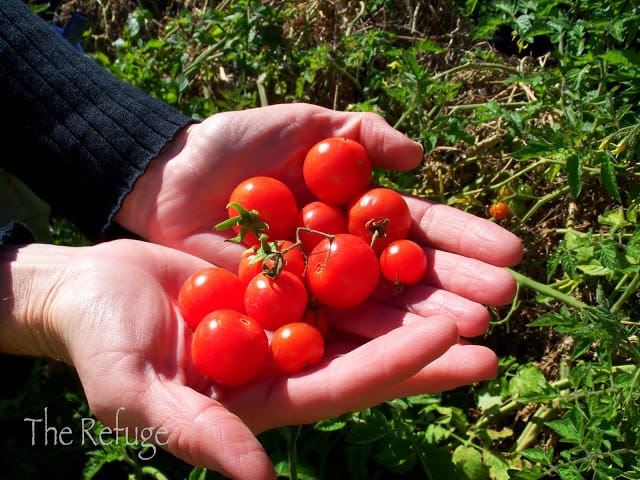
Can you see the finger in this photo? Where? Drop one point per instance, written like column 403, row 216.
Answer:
column 416, row 301
column 455, row 231
column 386, row 146
column 461, row 365
column 470, row 278
column 202, row 432
column 343, row 383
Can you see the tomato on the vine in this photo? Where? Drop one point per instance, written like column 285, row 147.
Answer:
column 296, row 346
column 230, row 348
column 273, row 302
column 380, row 210
column 322, row 217
column 292, row 261
column 404, row 262
column 209, row 289
column 342, row 272
column 274, row 202
column 337, row 169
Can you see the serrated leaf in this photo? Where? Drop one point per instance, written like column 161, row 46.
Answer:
column 498, row 466
column 566, row 429
column 529, row 384
column 469, row 464
column 537, row 455
column 595, row 270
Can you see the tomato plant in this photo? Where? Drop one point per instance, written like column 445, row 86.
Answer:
column 207, row 290
column 499, row 210
column 322, row 217
column 342, row 272
column 404, row 262
column 296, row 346
column 381, row 212
column 273, row 302
column 336, row 170
column 253, row 260
column 229, row 347
column 273, row 207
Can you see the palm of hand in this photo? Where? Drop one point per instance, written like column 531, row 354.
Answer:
column 191, row 190
column 132, row 355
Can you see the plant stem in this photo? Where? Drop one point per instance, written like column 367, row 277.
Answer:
column 631, row 288
column 547, row 290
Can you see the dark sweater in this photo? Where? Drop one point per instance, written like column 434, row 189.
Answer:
column 80, row 137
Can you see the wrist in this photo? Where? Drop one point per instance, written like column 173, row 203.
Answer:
column 137, row 207
column 30, row 278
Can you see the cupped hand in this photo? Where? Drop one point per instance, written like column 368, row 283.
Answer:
column 115, row 305
column 186, row 190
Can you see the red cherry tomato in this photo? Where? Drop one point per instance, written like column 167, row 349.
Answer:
column 229, row 347
column 296, row 346
column 207, row 290
column 499, row 210
column 382, row 209
column 317, row 317
column 322, row 217
column 403, row 261
column 342, row 273
column 273, row 200
column 293, row 261
column 273, row 302
column 336, row 170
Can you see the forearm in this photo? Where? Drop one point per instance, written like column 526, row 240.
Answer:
column 85, row 136
column 30, row 277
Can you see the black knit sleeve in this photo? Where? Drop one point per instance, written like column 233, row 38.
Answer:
column 80, row 136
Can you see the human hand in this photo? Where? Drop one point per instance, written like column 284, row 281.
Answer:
column 185, row 192
column 111, row 311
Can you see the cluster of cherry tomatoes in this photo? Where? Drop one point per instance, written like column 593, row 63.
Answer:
column 333, row 252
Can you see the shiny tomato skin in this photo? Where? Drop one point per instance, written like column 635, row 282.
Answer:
column 293, row 259
column 229, row 347
column 499, row 210
column 337, row 169
column 273, row 302
column 404, row 262
column 378, row 205
column 342, row 273
column 296, row 346
column 322, row 217
column 273, row 200
column 209, row 289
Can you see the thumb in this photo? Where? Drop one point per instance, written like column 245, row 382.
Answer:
column 204, row 433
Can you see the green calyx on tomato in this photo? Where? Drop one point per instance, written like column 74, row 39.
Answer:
column 247, row 221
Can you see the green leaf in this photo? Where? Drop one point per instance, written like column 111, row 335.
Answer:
column 469, row 464
column 537, row 455
column 595, row 270
column 622, row 58
column 370, row 425
column 529, row 384
column 330, row 425
column 608, row 178
column 498, row 466
column 566, row 429
column 574, row 174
